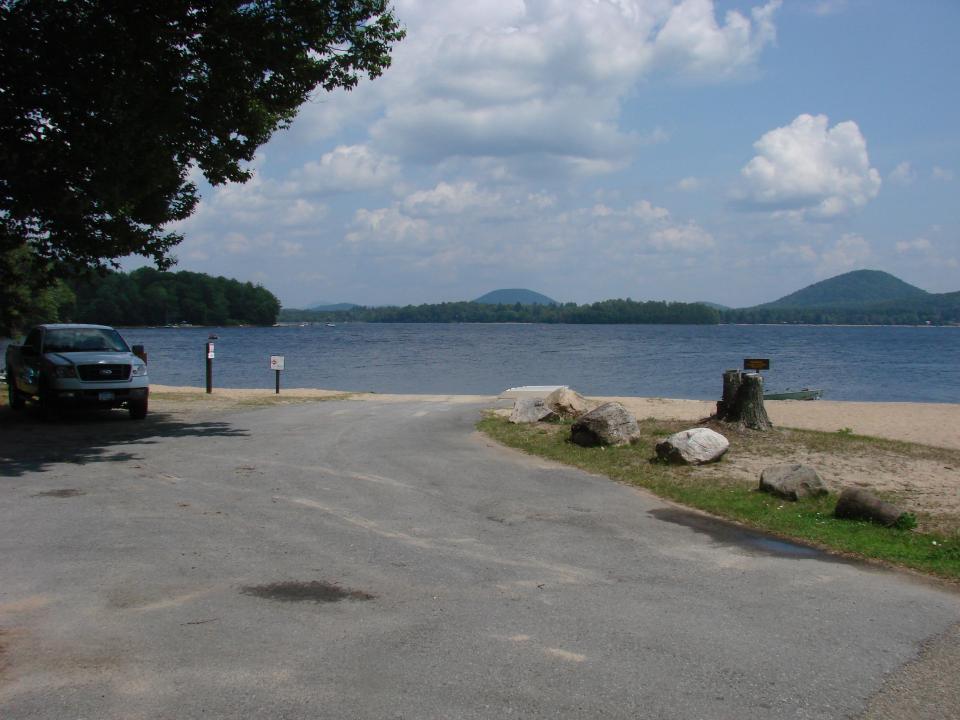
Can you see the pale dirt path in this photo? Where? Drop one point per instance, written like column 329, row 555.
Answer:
column 936, row 424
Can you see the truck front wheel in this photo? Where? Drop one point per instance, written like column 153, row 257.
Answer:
column 138, row 409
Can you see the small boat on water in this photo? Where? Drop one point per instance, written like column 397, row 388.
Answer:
column 330, row 325
column 804, row 394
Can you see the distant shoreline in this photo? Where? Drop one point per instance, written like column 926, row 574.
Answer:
column 310, row 323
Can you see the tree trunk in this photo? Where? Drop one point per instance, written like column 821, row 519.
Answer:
column 743, row 400
column 731, row 383
column 858, row 504
column 748, row 405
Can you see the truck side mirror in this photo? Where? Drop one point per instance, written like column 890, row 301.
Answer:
column 140, row 352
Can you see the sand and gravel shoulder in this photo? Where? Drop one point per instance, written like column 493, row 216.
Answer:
column 183, row 398
column 924, row 477
column 934, row 424
column 916, row 460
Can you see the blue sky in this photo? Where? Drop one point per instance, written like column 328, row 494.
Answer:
column 590, row 149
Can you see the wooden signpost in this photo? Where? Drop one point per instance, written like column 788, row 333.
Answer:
column 276, row 364
column 210, row 355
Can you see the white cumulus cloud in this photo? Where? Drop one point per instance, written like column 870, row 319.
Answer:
column 686, row 238
column 648, row 212
column 346, row 168
column 942, row 174
column 811, row 169
column 917, row 245
column 388, row 228
column 847, row 253
column 902, row 174
column 546, row 78
column 703, row 48
column 450, row 199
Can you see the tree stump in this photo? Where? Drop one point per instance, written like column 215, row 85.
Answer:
column 731, row 383
column 742, row 401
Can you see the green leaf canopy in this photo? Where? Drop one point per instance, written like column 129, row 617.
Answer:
column 106, row 106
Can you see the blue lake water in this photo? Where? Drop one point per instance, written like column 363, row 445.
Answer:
column 918, row 364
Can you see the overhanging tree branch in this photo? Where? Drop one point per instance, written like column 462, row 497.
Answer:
column 105, row 107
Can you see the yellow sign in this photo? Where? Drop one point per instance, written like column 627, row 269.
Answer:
column 756, row 363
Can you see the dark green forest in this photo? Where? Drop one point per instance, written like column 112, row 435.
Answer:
column 150, row 297
column 604, row 312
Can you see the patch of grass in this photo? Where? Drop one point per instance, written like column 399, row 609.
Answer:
column 810, row 521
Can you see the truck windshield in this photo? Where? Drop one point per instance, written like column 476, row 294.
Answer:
column 83, row 340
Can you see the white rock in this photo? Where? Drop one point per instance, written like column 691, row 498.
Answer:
column 567, row 403
column 693, row 447
column 792, row 481
column 530, row 410
column 609, row 424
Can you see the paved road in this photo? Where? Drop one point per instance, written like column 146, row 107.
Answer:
column 383, row 560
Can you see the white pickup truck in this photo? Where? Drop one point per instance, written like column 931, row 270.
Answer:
column 77, row 365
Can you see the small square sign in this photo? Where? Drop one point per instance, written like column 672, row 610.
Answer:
column 756, row 363
column 276, row 362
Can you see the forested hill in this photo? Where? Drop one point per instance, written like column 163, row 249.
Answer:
column 857, row 287
column 513, row 296
column 604, row 312
column 933, row 309
column 862, row 297
column 150, row 297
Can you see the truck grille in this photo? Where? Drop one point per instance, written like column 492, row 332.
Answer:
column 104, row 373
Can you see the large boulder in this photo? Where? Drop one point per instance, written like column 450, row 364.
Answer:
column 567, row 403
column 693, row 447
column 792, row 481
column 609, row 424
column 859, row 504
column 530, row 410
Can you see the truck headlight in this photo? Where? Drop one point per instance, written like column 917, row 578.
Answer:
column 65, row 371
column 139, row 370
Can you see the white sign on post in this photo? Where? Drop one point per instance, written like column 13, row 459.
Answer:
column 210, row 351
column 276, row 362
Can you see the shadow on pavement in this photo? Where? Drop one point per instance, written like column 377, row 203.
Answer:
column 31, row 444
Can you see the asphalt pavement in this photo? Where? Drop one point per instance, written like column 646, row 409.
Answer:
column 364, row 559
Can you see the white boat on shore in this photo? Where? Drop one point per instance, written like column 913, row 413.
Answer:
column 529, row 391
